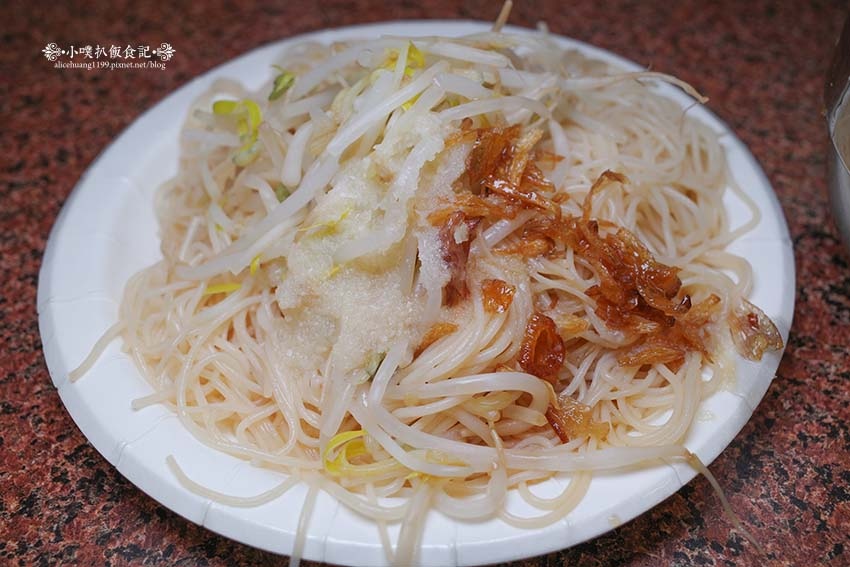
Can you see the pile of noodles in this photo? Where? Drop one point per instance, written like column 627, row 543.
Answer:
column 420, row 273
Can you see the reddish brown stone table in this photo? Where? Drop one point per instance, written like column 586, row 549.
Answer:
column 762, row 63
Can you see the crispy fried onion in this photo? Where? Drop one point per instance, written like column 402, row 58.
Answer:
column 497, row 295
column 752, row 331
column 455, row 237
column 541, row 352
column 642, row 297
column 501, row 176
column 637, row 294
column 571, row 420
column 515, row 177
column 501, row 179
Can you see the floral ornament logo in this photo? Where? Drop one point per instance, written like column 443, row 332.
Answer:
column 165, row 51
column 51, row 51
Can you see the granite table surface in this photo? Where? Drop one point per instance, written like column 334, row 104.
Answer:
column 762, row 63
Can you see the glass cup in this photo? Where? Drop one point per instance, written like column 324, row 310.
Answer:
column 837, row 99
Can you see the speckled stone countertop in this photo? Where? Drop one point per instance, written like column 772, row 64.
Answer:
column 762, row 63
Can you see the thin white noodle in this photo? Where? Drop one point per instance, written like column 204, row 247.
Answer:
column 236, row 501
column 108, row 336
column 303, row 520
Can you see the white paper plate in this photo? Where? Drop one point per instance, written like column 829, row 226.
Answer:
column 107, row 231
